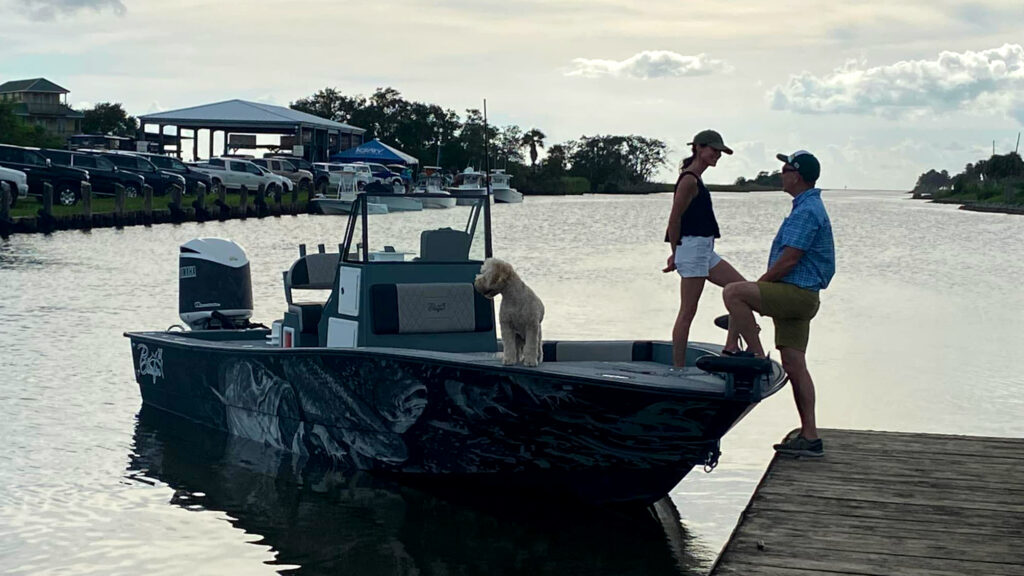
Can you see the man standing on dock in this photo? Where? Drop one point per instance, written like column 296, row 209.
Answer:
column 802, row 262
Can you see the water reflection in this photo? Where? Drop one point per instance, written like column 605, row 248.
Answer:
column 322, row 521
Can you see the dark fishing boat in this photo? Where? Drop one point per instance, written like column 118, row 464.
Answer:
column 397, row 372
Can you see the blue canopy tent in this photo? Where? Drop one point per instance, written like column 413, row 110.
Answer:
column 375, row 151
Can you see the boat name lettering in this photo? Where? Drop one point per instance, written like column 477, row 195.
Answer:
column 187, row 272
column 150, row 363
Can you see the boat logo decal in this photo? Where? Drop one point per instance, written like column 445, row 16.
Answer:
column 198, row 304
column 187, row 272
column 432, row 307
column 150, row 364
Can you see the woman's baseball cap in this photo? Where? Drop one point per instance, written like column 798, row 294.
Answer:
column 710, row 138
column 804, row 162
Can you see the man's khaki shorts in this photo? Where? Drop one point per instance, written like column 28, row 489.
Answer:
column 791, row 308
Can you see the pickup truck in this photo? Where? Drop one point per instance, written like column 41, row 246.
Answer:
column 103, row 174
column 67, row 182
column 192, row 176
column 18, row 182
column 160, row 180
column 300, row 178
column 233, row 173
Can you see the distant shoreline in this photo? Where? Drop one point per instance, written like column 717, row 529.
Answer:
column 993, row 207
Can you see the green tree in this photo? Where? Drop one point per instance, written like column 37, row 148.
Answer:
column 108, row 118
column 14, row 130
column 532, row 139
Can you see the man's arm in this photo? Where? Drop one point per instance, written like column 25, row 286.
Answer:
column 786, row 262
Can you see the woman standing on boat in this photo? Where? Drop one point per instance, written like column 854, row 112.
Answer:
column 692, row 230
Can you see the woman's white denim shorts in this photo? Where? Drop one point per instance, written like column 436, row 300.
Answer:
column 695, row 256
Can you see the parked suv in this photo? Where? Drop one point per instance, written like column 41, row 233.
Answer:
column 321, row 179
column 159, row 180
column 382, row 174
column 103, row 174
column 67, row 182
column 233, row 173
column 282, row 167
column 192, row 176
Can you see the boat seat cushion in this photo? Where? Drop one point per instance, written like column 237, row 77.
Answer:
column 444, row 245
column 314, row 271
column 429, row 308
column 309, row 314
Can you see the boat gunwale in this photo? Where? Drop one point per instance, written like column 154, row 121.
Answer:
column 411, row 354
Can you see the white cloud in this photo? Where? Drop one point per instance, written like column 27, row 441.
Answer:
column 953, row 81
column 50, row 9
column 649, row 64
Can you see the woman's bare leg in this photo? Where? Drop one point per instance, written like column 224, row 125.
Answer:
column 689, row 294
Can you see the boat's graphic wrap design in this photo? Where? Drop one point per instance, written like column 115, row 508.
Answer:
column 390, row 414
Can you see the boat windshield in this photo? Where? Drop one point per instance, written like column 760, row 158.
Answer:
column 459, row 233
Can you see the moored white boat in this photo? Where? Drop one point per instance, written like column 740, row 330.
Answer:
column 501, row 190
column 433, row 184
column 468, row 185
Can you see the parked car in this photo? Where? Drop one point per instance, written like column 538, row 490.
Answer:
column 18, row 182
column 321, row 178
column 67, row 182
column 277, row 182
column 362, row 172
column 103, row 174
column 159, row 180
column 382, row 174
column 192, row 176
column 282, row 167
column 233, row 173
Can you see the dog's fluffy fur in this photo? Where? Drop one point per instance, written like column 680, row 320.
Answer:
column 520, row 315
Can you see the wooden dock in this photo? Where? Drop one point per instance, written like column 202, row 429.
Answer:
column 886, row 504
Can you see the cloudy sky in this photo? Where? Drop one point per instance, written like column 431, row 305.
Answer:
column 880, row 90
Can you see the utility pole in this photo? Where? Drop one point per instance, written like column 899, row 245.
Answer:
column 1016, row 149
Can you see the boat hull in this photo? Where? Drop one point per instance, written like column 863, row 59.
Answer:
column 333, row 207
column 441, row 421
column 397, row 202
column 507, row 196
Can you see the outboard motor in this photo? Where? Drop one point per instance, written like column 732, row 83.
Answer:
column 214, row 285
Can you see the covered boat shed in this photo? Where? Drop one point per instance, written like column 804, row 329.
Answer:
column 319, row 137
column 375, row 151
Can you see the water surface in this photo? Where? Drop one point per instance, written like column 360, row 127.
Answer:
column 919, row 331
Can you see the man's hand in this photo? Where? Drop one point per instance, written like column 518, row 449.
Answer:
column 671, row 264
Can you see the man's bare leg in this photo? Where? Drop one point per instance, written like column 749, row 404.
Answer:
column 722, row 275
column 794, row 362
column 742, row 299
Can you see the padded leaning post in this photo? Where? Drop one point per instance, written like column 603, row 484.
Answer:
column 444, row 245
column 310, row 272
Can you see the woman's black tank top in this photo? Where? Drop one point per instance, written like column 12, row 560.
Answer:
column 699, row 218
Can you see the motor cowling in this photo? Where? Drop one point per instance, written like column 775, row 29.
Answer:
column 214, row 285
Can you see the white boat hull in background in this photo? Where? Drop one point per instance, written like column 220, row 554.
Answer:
column 397, row 202
column 507, row 196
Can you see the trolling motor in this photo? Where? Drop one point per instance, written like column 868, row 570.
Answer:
column 214, row 285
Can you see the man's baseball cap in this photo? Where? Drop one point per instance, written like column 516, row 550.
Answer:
column 710, row 138
column 805, row 163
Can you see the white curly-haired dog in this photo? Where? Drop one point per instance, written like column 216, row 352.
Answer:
column 520, row 315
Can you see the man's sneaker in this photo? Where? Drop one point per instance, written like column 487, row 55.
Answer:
column 800, row 446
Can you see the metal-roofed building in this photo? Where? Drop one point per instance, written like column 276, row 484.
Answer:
column 319, row 137
column 39, row 101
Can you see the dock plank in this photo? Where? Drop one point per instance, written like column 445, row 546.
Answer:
column 887, row 504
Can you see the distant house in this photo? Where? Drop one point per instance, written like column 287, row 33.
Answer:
column 39, row 101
